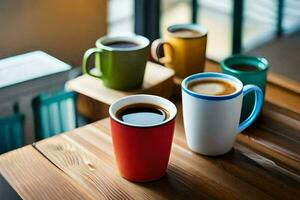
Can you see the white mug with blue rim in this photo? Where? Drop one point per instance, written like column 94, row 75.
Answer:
column 212, row 122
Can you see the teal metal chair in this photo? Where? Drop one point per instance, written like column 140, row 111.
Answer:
column 11, row 131
column 54, row 114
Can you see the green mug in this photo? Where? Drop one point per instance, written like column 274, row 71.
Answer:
column 120, row 61
column 250, row 70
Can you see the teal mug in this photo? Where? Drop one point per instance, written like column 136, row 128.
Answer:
column 250, row 70
column 120, row 61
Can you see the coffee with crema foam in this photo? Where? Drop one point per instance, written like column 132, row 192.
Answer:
column 212, row 87
column 184, row 32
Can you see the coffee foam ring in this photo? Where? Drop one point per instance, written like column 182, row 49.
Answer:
column 211, row 89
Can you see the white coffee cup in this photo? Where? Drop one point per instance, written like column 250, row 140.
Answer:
column 211, row 122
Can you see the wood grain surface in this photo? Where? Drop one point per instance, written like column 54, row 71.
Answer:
column 86, row 155
column 34, row 177
column 284, row 82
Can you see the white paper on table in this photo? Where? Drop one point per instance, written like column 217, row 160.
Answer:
column 29, row 66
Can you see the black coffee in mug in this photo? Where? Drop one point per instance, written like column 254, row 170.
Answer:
column 142, row 114
column 121, row 44
column 245, row 67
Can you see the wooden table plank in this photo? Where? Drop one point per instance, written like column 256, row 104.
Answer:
column 284, row 82
column 283, row 98
column 100, row 156
column 158, row 80
column 95, row 171
column 34, row 177
column 276, row 136
column 189, row 175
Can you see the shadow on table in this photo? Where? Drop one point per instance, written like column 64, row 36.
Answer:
column 6, row 191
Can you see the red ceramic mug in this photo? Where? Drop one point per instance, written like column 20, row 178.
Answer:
column 142, row 151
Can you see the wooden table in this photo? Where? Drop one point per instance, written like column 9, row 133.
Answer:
column 79, row 164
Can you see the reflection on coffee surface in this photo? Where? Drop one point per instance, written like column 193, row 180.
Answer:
column 121, row 44
column 186, row 33
column 243, row 67
column 142, row 114
column 214, row 87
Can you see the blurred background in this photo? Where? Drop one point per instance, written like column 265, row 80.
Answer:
column 268, row 28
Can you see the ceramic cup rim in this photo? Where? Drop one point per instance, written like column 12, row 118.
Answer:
column 212, row 75
column 143, row 98
column 264, row 65
column 203, row 31
column 141, row 41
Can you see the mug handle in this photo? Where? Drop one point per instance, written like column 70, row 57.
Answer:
column 155, row 49
column 86, row 59
column 256, row 108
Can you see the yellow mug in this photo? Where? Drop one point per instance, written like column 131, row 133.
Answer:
column 184, row 47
